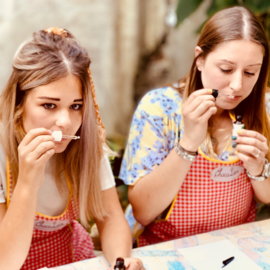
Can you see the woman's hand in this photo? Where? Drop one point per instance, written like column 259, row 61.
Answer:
column 34, row 151
column 133, row 264
column 197, row 110
column 252, row 148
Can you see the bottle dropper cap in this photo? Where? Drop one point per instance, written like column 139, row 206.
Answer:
column 239, row 117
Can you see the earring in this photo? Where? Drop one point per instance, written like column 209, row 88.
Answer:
column 200, row 68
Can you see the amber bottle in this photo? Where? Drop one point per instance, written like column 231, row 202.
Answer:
column 120, row 264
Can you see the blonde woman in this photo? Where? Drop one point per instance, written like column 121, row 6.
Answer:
column 186, row 173
column 45, row 184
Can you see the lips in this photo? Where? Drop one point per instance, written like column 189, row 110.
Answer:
column 232, row 98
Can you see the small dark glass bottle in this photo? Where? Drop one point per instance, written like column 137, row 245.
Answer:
column 120, row 264
column 215, row 93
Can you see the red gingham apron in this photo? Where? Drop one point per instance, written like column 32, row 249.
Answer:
column 56, row 240
column 214, row 195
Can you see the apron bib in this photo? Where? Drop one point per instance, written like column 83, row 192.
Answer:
column 56, row 240
column 215, row 195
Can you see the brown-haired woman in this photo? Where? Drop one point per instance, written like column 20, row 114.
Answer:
column 186, row 173
column 47, row 184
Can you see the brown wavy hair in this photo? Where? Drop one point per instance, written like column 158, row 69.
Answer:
column 227, row 25
column 46, row 58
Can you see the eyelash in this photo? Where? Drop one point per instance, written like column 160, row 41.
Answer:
column 227, row 71
column 48, row 106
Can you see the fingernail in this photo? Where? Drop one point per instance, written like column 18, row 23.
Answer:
column 234, row 137
column 236, row 152
column 210, row 90
column 234, row 145
column 239, row 131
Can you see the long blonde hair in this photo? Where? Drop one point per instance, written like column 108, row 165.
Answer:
column 226, row 25
column 45, row 58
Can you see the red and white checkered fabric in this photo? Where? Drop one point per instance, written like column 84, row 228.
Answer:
column 57, row 240
column 204, row 205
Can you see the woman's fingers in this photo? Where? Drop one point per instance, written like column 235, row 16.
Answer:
column 252, row 143
column 252, row 164
column 134, row 264
column 42, row 142
column 250, row 151
column 197, row 110
column 37, row 147
column 252, row 148
column 198, row 104
column 201, row 109
column 198, row 93
column 33, row 133
column 195, row 101
column 205, row 117
column 34, row 151
column 46, row 156
column 243, row 133
column 42, row 149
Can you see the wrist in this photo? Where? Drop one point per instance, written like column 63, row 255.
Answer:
column 185, row 154
column 258, row 172
column 26, row 188
column 264, row 174
column 188, row 145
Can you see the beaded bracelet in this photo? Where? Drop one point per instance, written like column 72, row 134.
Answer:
column 185, row 154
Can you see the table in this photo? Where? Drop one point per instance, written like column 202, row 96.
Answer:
column 252, row 238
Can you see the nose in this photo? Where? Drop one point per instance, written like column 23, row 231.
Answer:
column 63, row 119
column 236, row 81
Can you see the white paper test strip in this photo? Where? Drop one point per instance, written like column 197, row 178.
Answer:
column 210, row 257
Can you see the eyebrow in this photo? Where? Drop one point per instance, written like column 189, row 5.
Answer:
column 230, row 62
column 58, row 99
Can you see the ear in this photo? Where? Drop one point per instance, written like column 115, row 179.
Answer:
column 199, row 61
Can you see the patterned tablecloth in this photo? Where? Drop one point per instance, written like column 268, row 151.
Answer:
column 253, row 239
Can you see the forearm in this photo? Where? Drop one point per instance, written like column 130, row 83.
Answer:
column 16, row 228
column 262, row 190
column 116, row 239
column 156, row 191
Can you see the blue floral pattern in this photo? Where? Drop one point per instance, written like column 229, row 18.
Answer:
column 155, row 127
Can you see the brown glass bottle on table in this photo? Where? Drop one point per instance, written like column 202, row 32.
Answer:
column 120, row 264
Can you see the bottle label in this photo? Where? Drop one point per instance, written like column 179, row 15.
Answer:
column 237, row 127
